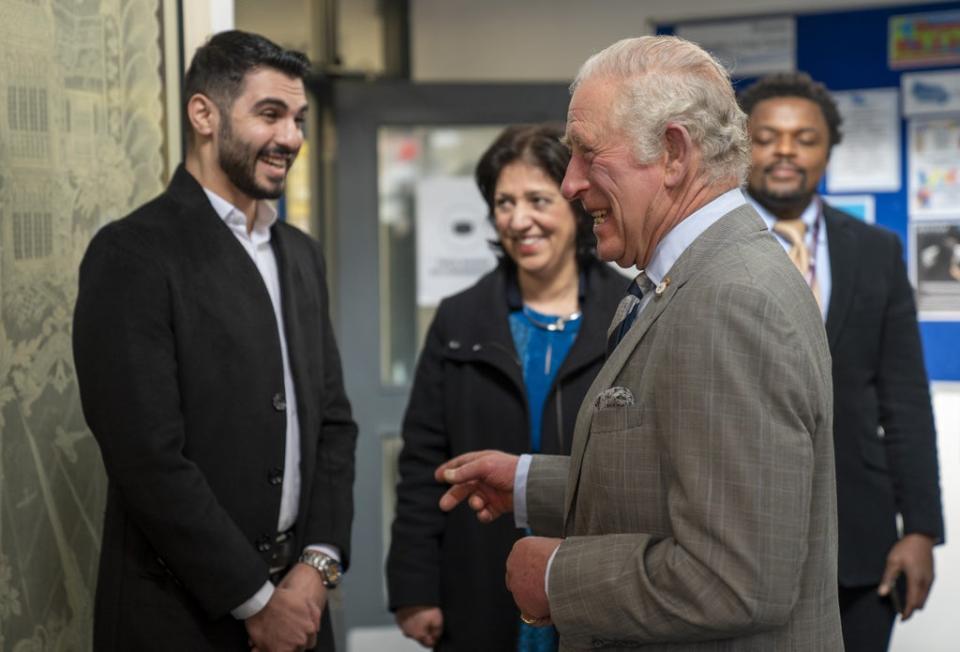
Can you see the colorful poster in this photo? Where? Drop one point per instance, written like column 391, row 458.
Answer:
column 923, row 40
column 934, row 154
column 935, row 267
column 868, row 157
column 748, row 48
column 929, row 93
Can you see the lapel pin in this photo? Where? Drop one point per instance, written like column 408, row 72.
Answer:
column 662, row 286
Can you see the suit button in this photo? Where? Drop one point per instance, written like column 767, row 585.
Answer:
column 476, row 347
column 279, row 402
column 454, row 344
column 275, row 476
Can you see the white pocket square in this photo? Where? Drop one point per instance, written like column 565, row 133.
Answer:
column 614, row 397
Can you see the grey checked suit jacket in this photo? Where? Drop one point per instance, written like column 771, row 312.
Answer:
column 703, row 516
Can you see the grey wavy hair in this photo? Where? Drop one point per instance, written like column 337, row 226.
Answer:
column 665, row 80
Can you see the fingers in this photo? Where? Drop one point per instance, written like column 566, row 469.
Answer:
column 422, row 624
column 456, row 463
column 456, row 495
column 890, row 573
column 542, row 621
column 488, row 515
column 467, row 472
column 918, row 588
column 315, row 613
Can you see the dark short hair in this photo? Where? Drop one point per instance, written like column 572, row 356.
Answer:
column 220, row 65
column 539, row 145
column 795, row 84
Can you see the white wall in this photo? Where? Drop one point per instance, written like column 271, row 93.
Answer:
column 937, row 627
column 201, row 19
column 547, row 40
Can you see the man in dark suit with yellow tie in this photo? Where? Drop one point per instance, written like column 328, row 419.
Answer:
column 884, row 435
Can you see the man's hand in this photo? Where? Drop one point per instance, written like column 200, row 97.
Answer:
column 912, row 556
column 287, row 622
column 485, row 477
column 305, row 580
column 527, row 575
column 424, row 624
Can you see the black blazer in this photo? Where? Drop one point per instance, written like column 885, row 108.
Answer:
column 879, row 382
column 468, row 394
column 181, row 380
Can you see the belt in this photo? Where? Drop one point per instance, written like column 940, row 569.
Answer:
column 280, row 554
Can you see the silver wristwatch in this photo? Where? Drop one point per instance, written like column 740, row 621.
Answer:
column 329, row 568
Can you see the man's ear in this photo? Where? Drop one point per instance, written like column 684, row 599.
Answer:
column 678, row 154
column 203, row 114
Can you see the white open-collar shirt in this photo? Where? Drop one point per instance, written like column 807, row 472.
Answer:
column 256, row 243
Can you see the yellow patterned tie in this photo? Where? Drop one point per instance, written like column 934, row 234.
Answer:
column 794, row 232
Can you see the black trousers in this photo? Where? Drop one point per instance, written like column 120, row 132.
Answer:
column 866, row 618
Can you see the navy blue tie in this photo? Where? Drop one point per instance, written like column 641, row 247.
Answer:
column 634, row 298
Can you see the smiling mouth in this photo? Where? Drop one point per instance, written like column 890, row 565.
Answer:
column 279, row 163
column 530, row 239
column 598, row 217
column 784, row 170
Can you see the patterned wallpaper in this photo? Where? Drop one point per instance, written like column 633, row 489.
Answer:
column 81, row 143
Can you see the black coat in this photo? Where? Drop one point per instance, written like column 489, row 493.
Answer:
column 879, row 381
column 181, row 380
column 468, row 395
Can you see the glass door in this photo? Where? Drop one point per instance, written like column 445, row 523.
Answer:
column 409, row 227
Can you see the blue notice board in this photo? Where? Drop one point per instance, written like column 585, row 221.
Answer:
column 847, row 50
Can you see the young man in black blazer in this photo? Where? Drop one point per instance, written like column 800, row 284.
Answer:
column 883, row 423
column 210, row 378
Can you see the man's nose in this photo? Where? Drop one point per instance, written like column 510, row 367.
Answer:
column 785, row 146
column 575, row 180
column 289, row 134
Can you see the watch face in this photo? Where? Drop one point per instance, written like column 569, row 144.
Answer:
column 332, row 571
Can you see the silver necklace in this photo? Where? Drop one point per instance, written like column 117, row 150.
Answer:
column 558, row 324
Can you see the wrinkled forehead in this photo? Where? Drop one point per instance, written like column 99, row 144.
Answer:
column 592, row 104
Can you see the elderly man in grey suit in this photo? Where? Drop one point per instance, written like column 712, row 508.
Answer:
column 697, row 510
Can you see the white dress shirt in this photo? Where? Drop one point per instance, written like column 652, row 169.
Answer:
column 664, row 256
column 257, row 245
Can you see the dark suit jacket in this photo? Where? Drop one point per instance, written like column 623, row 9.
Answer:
column 879, row 381
column 469, row 395
column 181, row 380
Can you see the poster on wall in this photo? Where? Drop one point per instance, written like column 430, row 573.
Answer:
column 862, row 207
column 924, row 40
column 453, row 235
column 935, row 267
column 868, row 158
column 927, row 93
column 934, row 155
column 748, row 48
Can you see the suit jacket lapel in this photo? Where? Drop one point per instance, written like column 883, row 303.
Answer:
column 731, row 227
column 605, row 378
column 844, row 255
